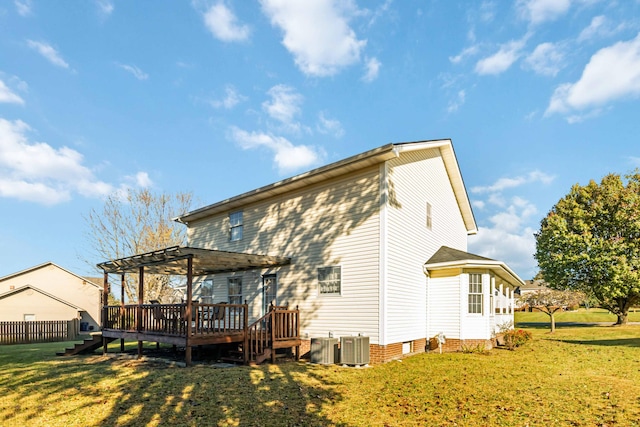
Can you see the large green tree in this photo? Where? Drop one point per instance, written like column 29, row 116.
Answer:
column 590, row 241
column 135, row 222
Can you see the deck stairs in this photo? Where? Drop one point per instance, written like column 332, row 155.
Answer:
column 88, row 345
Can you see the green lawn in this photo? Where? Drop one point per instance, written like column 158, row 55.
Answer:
column 587, row 376
column 580, row 316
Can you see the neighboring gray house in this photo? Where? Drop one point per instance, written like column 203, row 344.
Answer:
column 49, row 292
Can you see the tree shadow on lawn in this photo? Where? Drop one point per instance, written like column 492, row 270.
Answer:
column 547, row 325
column 129, row 392
column 616, row 342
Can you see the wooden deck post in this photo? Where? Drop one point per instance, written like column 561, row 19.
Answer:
column 105, row 314
column 122, row 285
column 187, row 352
column 245, row 327
column 297, row 320
column 139, row 308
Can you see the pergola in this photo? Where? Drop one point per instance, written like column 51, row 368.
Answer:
column 185, row 261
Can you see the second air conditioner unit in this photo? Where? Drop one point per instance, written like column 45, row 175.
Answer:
column 354, row 350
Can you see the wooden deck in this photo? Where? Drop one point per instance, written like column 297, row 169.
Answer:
column 206, row 324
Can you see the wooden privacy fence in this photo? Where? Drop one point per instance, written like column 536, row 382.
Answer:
column 38, row 331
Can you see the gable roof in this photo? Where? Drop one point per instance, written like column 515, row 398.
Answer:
column 27, row 287
column 350, row 164
column 447, row 257
column 38, row 267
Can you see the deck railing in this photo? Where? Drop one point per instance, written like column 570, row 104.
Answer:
column 170, row 319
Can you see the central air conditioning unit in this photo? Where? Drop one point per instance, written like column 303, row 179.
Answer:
column 354, row 350
column 324, row 350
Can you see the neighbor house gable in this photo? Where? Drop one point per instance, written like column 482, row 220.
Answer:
column 25, row 288
column 44, row 265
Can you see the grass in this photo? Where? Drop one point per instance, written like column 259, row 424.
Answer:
column 588, row 376
column 580, row 316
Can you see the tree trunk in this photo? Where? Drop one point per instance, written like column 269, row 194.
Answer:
column 553, row 322
column 622, row 318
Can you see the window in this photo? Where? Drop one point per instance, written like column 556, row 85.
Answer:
column 475, row 293
column 235, row 290
column 29, row 317
column 235, row 226
column 429, row 219
column 329, row 280
column 206, row 291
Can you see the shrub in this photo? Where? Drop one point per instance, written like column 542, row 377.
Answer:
column 516, row 338
column 471, row 348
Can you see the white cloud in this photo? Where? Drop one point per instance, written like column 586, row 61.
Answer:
column 231, row 99
column 539, row 11
column 329, row 126
column 456, row 103
column 594, row 28
column 224, row 25
column 141, row 179
column 600, row 27
column 515, row 248
column 317, row 33
column 287, row 156
column 8, row 96
column 285, row 104
column 612, row 73
column 372, row 67
column 23, row 7
column 500, row 61
column 37, row 172
column 134, row 71
column 546, row 59
column 105, row 7
column 48, row 52
column 508, row 183
column 469, row 51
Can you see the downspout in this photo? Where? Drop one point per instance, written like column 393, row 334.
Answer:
column 427, row 322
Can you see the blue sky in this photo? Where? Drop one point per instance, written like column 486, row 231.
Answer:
column 221, row 97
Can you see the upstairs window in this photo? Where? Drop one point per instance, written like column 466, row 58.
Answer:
column 429, row 219
column 235, row 290
column 329, row 280
column 475, row 293
column 235, row 226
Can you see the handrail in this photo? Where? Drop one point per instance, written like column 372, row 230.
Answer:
column 276, row 325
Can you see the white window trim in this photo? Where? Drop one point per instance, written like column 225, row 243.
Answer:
column 229, row 279
column 481, row 293
column 239, row 226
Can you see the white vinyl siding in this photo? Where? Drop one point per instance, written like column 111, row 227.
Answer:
column 444, row 303
column 415, row 179
column 334, row 222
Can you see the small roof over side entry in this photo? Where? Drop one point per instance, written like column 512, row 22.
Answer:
column 447, row 257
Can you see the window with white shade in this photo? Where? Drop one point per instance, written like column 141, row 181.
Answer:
column 330, row 280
